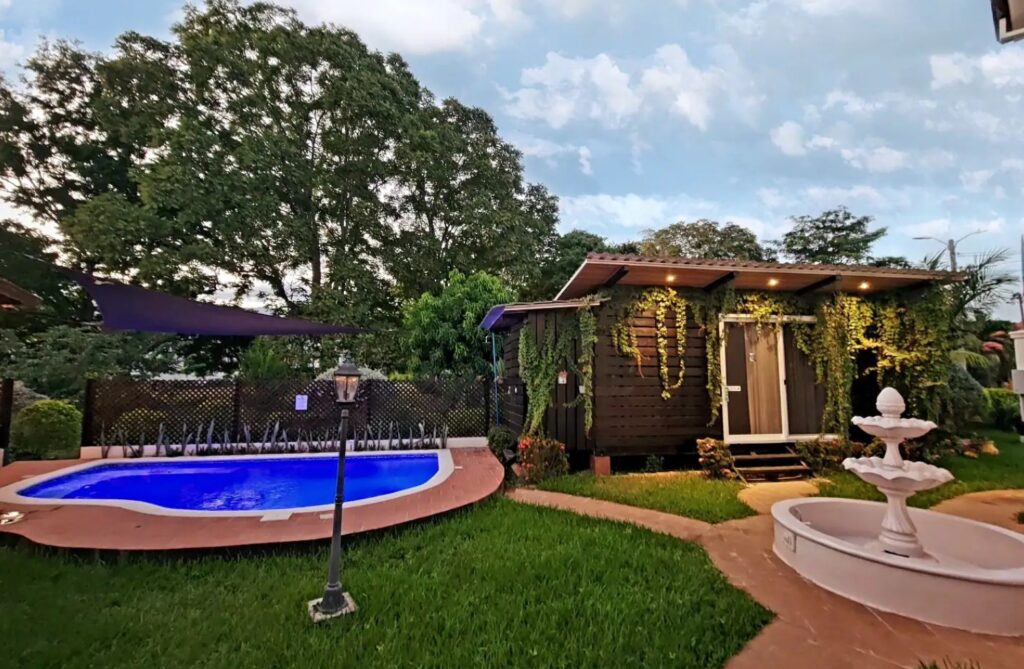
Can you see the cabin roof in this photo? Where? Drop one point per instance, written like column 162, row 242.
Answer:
column 504, row 316
column 13, row 296
column 604, row 270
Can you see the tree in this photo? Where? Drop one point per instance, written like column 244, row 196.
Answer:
column 463, row 203
column 442, row 334
column 561, row 256
column 834, row 237
column 704, row 239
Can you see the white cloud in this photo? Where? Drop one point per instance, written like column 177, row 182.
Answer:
column 878, row 159
column 584, row 157
column 566, row 88
column 600, row 89
column 851, row 103
column 613, row 213
column 860, row 196
column 1003, row 68
column 408, row 27
column 789, row 137
column 772, row 198
column 11, row 53
column 974, row 181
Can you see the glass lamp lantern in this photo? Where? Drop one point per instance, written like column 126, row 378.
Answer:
column 346, row 382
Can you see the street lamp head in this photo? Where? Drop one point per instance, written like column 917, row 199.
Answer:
column 346, row 382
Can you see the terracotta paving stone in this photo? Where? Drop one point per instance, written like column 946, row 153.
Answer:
column 814, row 629
column 996, row 507
column 477, row 476
column 761, row 496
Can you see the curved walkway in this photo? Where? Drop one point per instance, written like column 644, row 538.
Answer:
column 996, row 507
column 813, row 628
column 477, row 475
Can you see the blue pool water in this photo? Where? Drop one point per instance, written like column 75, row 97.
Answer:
column 249, row 484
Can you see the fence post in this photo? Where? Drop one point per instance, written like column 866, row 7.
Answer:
column 87, row 413
column 487, row 407
column 6, row 409
column 236, row 408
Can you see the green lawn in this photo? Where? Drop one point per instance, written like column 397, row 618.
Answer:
column 999, row 472
column 500, row 585
column 684, row 493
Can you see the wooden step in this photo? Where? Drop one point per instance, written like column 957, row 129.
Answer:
column 760, row 457
column 774, row 472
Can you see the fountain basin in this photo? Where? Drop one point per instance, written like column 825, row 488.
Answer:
column 971, row 576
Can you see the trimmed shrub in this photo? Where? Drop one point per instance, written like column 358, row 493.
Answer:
column 715, row 459
column 47, row 430
column 541, row 458
column 502, row 442
column 1003, row 410
column 826, row 454
column 653, row 464
column 966, row 402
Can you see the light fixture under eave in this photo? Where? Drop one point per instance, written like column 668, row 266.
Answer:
column 670, row 278
column 773, row 283
column 864, row 285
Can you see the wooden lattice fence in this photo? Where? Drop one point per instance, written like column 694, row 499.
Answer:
column 138, row 409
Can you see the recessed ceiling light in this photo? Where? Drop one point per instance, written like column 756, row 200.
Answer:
column 773, row 282
column 670, row 278
column 864, row 285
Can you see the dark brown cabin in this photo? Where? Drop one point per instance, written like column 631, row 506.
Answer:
column 770, row 393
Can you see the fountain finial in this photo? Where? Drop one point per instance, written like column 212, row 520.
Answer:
column 890, row 403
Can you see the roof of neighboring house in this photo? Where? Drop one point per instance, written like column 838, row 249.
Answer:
column 504, row 316
column 604, row 270
column 13, row 296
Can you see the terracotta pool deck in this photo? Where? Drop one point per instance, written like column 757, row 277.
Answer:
column 477, row 476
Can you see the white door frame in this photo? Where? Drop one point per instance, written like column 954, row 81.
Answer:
column 783, row 398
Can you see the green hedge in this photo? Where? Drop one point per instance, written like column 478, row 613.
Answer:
column 46, row 430
column 1003, row 408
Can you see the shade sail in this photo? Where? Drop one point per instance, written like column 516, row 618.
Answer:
column 139, row 309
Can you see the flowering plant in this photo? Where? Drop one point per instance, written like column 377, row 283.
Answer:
column 541, row 458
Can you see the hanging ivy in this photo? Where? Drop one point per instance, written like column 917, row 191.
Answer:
column 661, row 301
column 586, row 323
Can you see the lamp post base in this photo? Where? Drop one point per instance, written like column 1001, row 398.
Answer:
column 319, row 616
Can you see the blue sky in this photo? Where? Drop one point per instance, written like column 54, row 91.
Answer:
column 637, row 114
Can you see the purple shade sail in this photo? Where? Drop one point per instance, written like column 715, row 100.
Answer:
column 139, row 309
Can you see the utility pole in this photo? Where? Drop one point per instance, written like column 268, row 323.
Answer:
column 950, row 245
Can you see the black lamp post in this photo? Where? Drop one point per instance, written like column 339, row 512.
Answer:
column 335, row 601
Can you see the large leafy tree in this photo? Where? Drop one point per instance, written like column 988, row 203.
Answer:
column 441, row 333
column 561, row 257
column 704, row 239
column 463, row 203
column 835, row 237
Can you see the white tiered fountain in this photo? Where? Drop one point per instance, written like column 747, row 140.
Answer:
column 922, row 564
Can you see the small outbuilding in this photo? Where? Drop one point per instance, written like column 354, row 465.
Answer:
column 640, row 356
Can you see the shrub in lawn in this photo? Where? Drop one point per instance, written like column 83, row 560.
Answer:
column 826, row 454
column 966, row 401
column 47, row 430
column 715, row 459
column 1003, row 408
column 502, row 442
column 541, row 458
column 654, row 464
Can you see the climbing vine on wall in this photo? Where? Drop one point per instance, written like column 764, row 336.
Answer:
column 586, row 323
column 661, row 301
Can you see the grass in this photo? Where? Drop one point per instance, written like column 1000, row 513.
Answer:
column 988, row 472
column 499, row 585
column 683, row 493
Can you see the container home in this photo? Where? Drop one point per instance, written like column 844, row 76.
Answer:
column 673, row 350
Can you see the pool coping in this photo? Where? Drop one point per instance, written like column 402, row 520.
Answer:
column 11, row 494
column 476, row 474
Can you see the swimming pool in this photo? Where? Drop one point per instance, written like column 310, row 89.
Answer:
column 235, row 485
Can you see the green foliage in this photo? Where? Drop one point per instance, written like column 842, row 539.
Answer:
column 624, row 338
column 57, row 362
column 539, row 367
column 501, row 441
column 1003, row 408
column 442, row 335
column 834, row 237
column 826, row 454
column 704, row 239
column 587, row 324
column 541, row 458
column 263, row 360
column 653, row 464
column 47, row 430
column 964, row 400
column 560, row 259
column 715, row 459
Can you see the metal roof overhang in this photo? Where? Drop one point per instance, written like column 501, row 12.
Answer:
column 504, row 316
column 602, row 270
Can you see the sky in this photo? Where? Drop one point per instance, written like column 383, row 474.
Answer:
column 641, row 113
